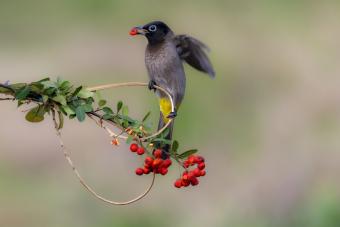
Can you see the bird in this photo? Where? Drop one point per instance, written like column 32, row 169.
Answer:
column 164, row 57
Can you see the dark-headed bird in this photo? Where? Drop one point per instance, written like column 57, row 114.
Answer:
column 164, row 58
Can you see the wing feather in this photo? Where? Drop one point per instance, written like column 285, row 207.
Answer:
column 194, row 52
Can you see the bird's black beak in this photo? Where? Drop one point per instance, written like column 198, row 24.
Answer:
column 138, row 31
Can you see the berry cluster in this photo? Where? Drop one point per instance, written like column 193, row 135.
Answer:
column 152, row 164
column 156, row 164
column 191, row 177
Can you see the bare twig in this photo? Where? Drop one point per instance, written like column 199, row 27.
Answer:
column 83, row 182
column 7, row 99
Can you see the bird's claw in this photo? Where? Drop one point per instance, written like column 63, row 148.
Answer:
column 172, row 115
column 152, row 85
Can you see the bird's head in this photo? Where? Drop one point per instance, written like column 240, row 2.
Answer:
column 155, row 32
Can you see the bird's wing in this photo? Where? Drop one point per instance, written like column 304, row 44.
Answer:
column 194, row 52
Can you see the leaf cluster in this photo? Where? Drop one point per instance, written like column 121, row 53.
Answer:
column 62, row 99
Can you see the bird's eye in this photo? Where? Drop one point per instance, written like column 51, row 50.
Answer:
column 153, row 28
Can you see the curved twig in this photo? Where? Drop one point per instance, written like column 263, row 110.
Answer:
column 90, row 189
column 133, row 84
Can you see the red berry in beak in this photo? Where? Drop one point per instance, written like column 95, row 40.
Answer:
column 134, row 31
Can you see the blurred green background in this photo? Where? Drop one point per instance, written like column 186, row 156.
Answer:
column 268, row 125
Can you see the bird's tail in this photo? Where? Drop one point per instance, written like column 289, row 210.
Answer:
column 162, row 122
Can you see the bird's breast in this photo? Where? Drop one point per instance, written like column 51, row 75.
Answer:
column 162, row 60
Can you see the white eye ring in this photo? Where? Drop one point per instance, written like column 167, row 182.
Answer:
column 153, row 28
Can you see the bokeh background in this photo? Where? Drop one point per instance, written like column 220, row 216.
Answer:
column 268, row 125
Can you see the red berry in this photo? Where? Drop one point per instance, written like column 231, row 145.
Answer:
column 157, row 162
column 191, row 175
column 199, row 159
column 140, row 151
column 197, row 172
column 133, row 147
column 178, row 183
column 139, row 171
column 185, row 177
column 146, row 170
column 185, row 183
column 167, row 163
column 201, row 166
column 194, row 181
column 203, row 173
column 192, row 159
column 185, row 164
column 158, row 153
column 148, row 161
column 163, row 171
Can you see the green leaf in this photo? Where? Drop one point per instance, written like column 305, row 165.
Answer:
column 102, row 103
column 119, row 106
column 49, row 84
column 80, row 113
column 5, row 90
column 17, row 86
column 75, row 93
column 107, row 110
column 45, row 98
column 187, row 153
column 36, row 114
column 68, row 110
column 22, row 93
column 146, row 116
column 60, row 99
column 87, row 108
column 174, row 147
column 125, row 110
column 50, row 91
column 84, row 93
column 107, row 116
column 37, row 88
column 43, row 80
column 65, row 85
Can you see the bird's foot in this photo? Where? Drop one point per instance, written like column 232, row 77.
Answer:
column 172, row 115
column 152, row 85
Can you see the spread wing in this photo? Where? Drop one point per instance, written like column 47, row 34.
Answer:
column 194, row 52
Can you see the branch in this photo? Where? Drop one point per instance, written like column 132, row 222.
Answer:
column 61, row 99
